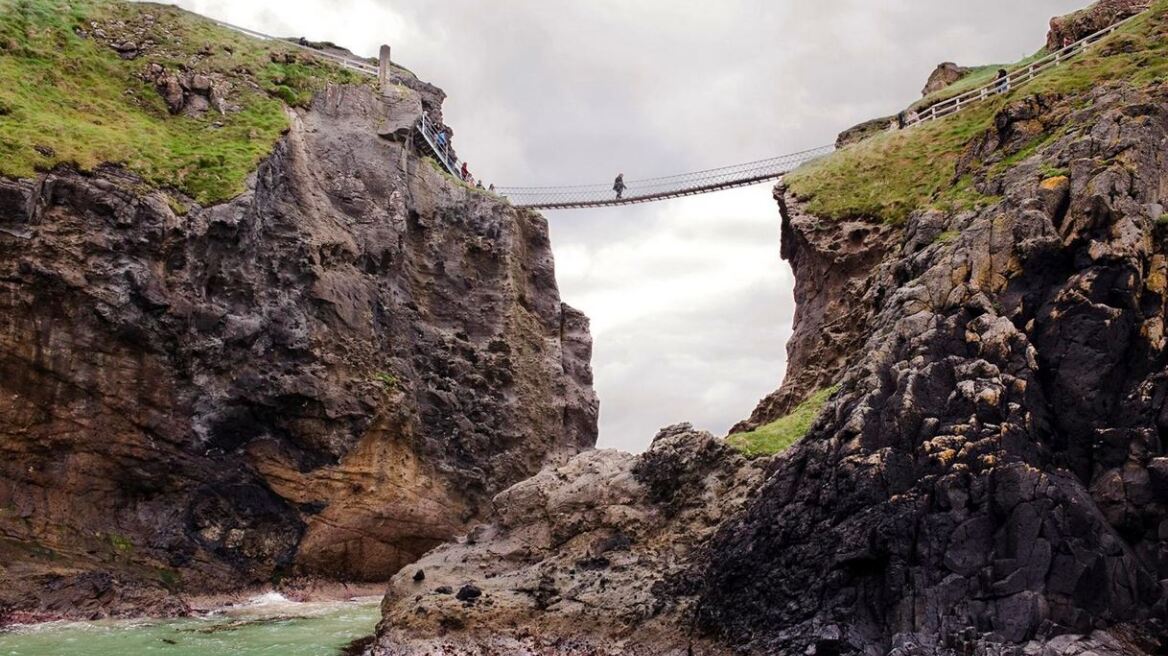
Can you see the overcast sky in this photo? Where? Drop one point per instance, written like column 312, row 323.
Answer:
column 690, row 304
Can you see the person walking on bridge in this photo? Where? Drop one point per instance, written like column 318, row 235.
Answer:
column 619, row 185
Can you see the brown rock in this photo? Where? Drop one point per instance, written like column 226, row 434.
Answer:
column 549, row 590
column 1085, row 22
column 327, row 376
column 944, row 75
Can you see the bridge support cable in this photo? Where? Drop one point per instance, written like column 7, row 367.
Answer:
column 652, row 189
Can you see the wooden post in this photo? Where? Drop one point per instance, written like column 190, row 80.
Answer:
column 383, row 70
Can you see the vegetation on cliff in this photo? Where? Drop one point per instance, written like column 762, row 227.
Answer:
column 780, row 434
column 890, row 175
column 78, row 91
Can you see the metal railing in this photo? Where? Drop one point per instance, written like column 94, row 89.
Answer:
column 1012, row 80
column 439, row 146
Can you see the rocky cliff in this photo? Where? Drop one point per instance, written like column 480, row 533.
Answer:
column 323, row 376
column 989, row 477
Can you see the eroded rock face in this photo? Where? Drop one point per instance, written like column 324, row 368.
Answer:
column 991, row 477
column 1103, row 13
column 835, row 267
column 589, row 558
column 987, row 473
column 327, row 376
column 945, row 74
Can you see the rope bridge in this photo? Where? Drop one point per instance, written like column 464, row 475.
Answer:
column 653, row 189
column 699, row 182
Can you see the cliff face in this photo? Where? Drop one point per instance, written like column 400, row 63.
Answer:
column 326, row 376
column 1072, row 27
column 991, row 468
column 990, row 477
column 834, row 265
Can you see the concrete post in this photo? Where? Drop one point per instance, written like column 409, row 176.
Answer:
column 383, row 70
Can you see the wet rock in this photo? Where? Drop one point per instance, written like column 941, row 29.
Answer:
column 545, row 588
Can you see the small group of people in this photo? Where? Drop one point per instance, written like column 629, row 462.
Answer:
column 464, row 173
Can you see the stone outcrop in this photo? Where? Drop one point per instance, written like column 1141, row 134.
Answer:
column 589, row 558
column 945, row 74
column 326, row 376
column 986, row 474
column 862, row 131
column 1083, row 23
column 990, row 477
column 834, row 265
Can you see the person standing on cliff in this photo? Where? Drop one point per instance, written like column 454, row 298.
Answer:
column 465, row 173
column 619, row 185
column 1003, row 81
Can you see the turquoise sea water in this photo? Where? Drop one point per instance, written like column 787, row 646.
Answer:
column 268, row 626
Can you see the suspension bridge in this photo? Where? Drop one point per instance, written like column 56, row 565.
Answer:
column 698, row 182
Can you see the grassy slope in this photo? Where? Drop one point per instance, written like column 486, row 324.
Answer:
column 979, row 76
column 71, row 100
column 776, row 436
column 890, row 175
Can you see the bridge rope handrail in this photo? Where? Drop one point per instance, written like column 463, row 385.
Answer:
column 664, row 186
column 676, row 176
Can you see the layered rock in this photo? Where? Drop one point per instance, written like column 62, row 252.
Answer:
column 834, row 265
column 989, row 479
column 326, row 376
column 985, row 475
column 1081, row 24
column 589, row 558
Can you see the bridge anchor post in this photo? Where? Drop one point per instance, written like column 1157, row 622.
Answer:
column 383, row 66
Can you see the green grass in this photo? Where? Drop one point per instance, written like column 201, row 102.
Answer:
column 893, row 174
column 72, row 100
column 120, row 543
column 977, row 77
column 780, row 434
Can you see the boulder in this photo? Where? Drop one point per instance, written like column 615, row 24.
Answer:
column 944, row 75
column 1085, row 22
